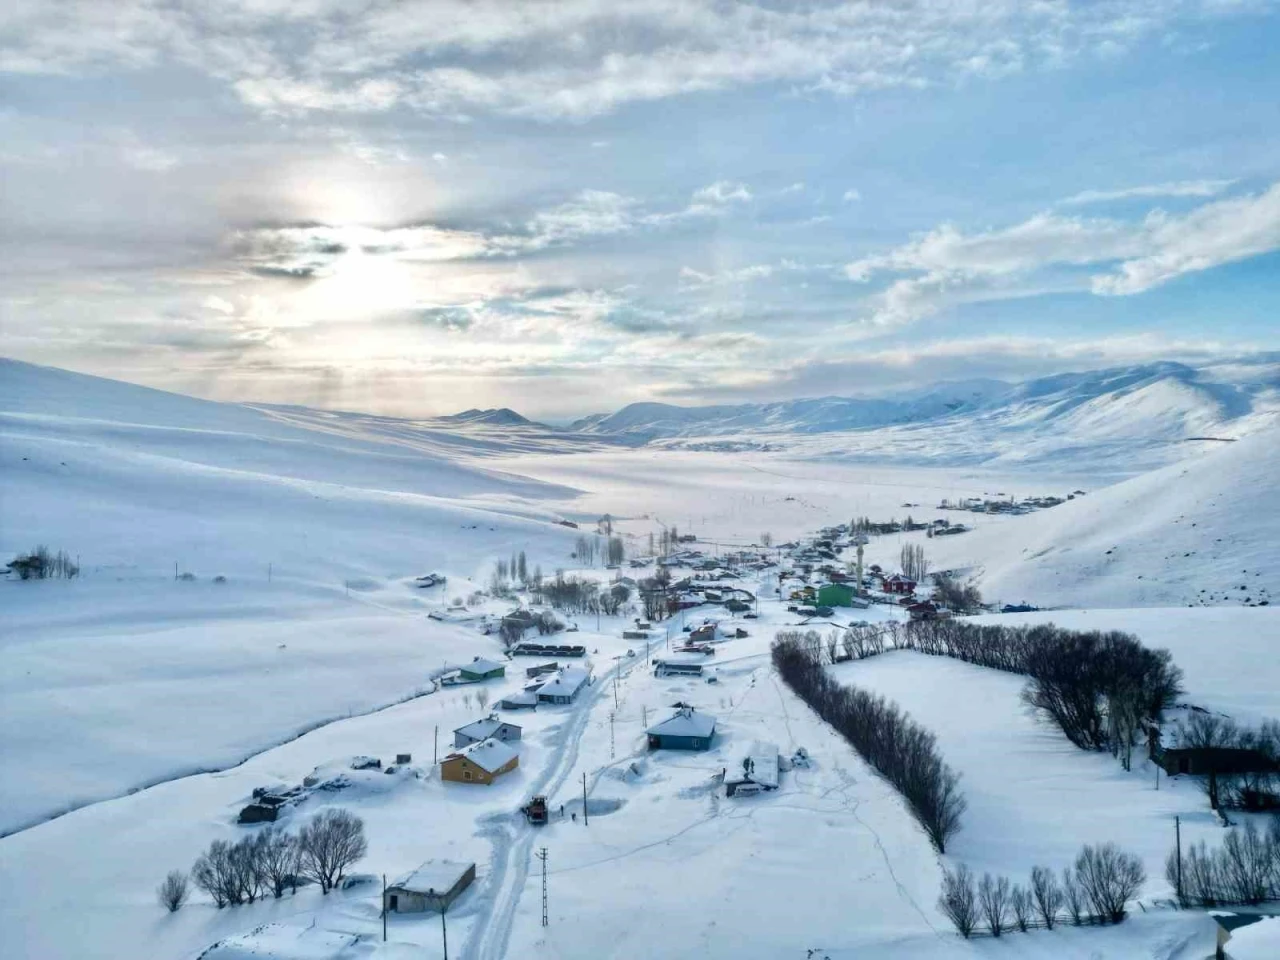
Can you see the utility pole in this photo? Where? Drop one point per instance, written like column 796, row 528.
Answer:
column 1177, row 832
column 435, row 748
column 611, row 749
column 585, row 820
column 444, row 935
column 384, row 908
column 644, row 715
column 542, row 855
column 616, row 668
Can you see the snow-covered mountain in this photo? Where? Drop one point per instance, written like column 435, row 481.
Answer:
column 1120, row 420
column 1203, row 531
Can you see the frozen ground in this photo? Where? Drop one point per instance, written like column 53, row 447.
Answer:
column 319, row 522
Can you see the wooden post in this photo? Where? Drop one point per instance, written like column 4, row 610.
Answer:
column 435, row 747
column 384, row 908
column 585, row 821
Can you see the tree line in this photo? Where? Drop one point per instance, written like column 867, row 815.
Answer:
column 898, row 748
column 272, row 861
column 1098, row 687
column 1244, row 869
column 42, row 564
column 1097, row 890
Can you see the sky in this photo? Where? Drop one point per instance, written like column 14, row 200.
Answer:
column 414, row 208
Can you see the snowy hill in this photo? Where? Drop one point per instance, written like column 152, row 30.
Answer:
column 1202, row 531
column 1140, row 413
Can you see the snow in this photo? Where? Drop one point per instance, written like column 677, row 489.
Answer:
column 1258, row 941
column 1202, row 531
column 686, row 722
column 434, row 876
column 147, row 709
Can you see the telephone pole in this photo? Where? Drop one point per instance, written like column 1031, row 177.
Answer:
column 585, row 820
column 611, row 747
column 435, row 747
column 444, row 935
column 384, row 908
column 542, row 855
column 1177, row 833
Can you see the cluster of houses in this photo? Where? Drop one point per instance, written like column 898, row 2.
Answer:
column 1000, row 504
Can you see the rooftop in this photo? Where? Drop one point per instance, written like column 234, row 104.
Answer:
column 686, row 722
column 481, row 729
column 434, row 876
column 488, row 755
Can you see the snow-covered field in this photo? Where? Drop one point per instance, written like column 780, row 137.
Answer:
column 118, row 688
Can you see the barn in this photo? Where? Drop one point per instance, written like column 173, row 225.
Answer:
column 433, row 886
column 482, row 669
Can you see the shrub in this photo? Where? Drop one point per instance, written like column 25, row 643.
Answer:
column 1109, row 878
column 993, row 899
column 1046, row 895
column 173, row 891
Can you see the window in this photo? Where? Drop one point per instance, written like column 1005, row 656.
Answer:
column 466, row 775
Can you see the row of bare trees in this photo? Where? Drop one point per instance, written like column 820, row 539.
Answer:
column 272, row 861
column 898, row 748
column 1244, row 869
column 43, row 564
column 1255, row 788
column 1097, row 686
column 1097, row 890
column 912, row 560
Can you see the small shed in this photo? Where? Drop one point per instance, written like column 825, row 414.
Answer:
column 564, row 686
column 432, row 887
column 686, row 729
column 490, row 726
column 899, row 584
column 481, row 762
column 482, row 669
column 835, row 595
column 524, row 700
column 672, row 667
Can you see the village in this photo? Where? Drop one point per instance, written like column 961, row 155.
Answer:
column 567, row 715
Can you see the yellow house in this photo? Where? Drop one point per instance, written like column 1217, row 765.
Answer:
column 481, row 762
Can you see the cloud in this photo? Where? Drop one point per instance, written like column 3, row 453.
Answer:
column 575, row 59
column 851, row 195
column 1180, row 188
column 720, row 194
column 948, row 265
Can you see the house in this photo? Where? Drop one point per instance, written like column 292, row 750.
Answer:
column 671, row 667
column 703, row 634
column 923, row 611
column 481, row 762
column 753, row 771
column 1202, row 761
column 899, row 584
column 564, row 686
column 835, row 595
column 479, row 730
column 686, row 729
column 540, row 669
column 433, row 886
column 524, row 700
column 482, row 669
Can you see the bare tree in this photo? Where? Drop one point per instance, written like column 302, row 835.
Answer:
column 173, row 892
column 1210, row 732
column 958, row 899
column 278, row 860
column 482, row 698
column 766, row 540
column 1073, row 896
column 911, row 559
column 1046, row 895
column 329, row 843
column 1021, row 906
column 1109, row 879
column 993, row 900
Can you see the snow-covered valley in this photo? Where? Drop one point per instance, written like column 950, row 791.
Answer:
column 140, row 709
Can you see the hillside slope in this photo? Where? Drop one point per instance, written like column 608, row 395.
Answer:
column 1204, row 531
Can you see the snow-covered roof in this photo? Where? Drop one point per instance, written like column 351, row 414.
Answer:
column 481, row 665
column 757, row 764
column 526, row 697
column 488, row 755
column 434, row 876
column 564, row 683
column 481, row 729
column 687, row 722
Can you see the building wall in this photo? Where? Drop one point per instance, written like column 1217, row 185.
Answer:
column 662, row 742
column 456, row 771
